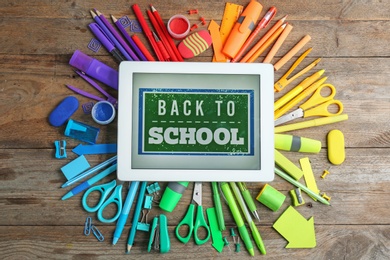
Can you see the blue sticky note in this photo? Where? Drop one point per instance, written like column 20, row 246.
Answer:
column 75, row 167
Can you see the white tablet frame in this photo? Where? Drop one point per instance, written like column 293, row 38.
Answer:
column 126, row 172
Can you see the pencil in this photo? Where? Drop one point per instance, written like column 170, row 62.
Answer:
column 292, row 52
column 142, row 47
column 267, row 43
column 263, row 39
column 278, row 44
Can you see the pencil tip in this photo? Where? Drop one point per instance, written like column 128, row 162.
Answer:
column 128, row 248
column 113, row 18
column 284, row 18
column 92, row 13
column 97, row 12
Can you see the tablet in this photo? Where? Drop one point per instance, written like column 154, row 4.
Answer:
column 195, row 121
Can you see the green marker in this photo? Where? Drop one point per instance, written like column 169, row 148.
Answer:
column 237, row 218
column 248, row 199
column 218, row 206
column 301, row 186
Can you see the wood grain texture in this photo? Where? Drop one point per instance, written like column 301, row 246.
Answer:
column 37, row 39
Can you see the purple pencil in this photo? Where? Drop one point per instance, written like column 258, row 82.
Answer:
column 117, row 35
column 128, row 38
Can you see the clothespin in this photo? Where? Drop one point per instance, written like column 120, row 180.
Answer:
column 60, row 149
column 159, row 237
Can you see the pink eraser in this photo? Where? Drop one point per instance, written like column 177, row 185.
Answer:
column 194, row 44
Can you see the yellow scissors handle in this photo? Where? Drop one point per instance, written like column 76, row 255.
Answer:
column 323, row 109
column 317, row 98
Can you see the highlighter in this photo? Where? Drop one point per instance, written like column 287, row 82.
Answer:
column 245, row 24
column 95, row 69
column 172, row 195
column 297, row 144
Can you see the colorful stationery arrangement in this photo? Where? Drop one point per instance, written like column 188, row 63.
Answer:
column 175, row 41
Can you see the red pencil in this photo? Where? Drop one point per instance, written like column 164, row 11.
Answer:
column 142, row 47
column 165, row 31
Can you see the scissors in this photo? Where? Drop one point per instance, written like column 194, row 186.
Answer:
column 316, row 105
column 105, row 189
column 109, row 98
column 199, row 222
column 283, row 81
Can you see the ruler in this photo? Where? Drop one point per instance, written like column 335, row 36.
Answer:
column 229, row 18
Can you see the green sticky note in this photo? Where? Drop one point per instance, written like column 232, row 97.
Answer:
column 298, row 231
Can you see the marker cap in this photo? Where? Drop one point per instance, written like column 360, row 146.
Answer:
column 172, row 195
column 95, row 69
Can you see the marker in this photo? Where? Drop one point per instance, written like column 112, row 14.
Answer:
column 237, row 218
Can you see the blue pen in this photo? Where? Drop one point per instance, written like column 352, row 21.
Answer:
column 89, row 172
column 86, row 184
column 109, row 34
column 137, row 213
column 120, row 224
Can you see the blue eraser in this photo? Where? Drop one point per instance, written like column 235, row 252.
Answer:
column 63, row 111
column 75, row 167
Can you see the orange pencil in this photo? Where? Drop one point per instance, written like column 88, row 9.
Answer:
column 267, row 43
column 278, row 44
column 292, row 52
column 262, row 24
column 263, row 39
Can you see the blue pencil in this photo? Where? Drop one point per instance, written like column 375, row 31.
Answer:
column 120, row 224
column 86, row 184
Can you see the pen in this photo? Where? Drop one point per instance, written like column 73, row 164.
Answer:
column 120, row 224
column 117, row 36
column 249, row 220
column 237, row 218
column 248, row 199
column 301, row 186
column 252, row 51
column 99, row 21
column 89, row 172
column 218, row 206
column 98, row 32
column 86, row 184
column 128, row 38
column 146, row 30
column 166, row 33
column 311, row 123
column 136, row 215
column 262, row 24
column 298, row 89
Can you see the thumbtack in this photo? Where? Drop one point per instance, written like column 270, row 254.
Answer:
column 192, row 11
column 324, row 174
column 325, row 196
column 196, row 26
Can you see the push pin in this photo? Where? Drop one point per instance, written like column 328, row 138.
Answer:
column 196, row 26
column 325, row 196
column 324, row 174
column 192, row 11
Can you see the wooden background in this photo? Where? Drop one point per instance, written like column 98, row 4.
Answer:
column 37, row 39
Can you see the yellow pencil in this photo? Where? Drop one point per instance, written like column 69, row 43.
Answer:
column 278, row 44
column 292, row 52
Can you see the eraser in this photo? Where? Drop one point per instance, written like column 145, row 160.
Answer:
column 75, row 167
column 63, row 111
column 336, row 147
column 195, row 44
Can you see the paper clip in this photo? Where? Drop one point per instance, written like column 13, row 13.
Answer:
column 97, row 233
column 87, row 226
column 159, row 237
column 60, row 149
column 283, row 81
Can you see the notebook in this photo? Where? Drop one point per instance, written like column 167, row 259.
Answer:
column 195, row 121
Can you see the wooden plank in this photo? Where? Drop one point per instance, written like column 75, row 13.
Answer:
column 63, row 242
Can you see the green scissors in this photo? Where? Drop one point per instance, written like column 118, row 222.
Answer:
column 199, row 222
column 105, row 189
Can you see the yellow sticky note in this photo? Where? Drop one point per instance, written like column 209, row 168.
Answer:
column 309, row 176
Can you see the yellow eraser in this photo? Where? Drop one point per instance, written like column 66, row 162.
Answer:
column 336, row 147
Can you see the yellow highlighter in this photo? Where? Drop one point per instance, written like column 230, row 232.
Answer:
column 297, row 144
column 298, row 89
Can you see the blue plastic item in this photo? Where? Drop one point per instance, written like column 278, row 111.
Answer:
column 75, row 167
column 63, row 111
column 81, row 131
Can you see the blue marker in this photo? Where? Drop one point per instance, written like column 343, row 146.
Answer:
column 85, row 185
column 120, row 224
column 89, row 172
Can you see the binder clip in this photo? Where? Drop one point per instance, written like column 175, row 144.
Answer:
column 152, row 188
column 143, row 224
column 60, row 149
column 159, row 237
